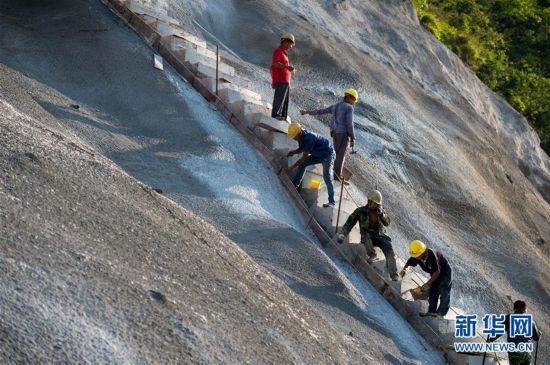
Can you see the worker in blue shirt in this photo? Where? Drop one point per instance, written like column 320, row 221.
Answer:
column 315, row 149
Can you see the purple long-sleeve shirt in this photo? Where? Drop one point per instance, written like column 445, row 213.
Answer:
column 342, row 118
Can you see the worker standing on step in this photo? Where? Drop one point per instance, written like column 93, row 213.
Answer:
column 519, row 358
column 440, row 282
column 281, row 72
column 341, row 127
column 315, row 149
column 373, row 219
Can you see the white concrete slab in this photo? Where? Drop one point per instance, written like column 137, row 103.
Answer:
column 273, row 124
column 250, row 109
column 179, row 42
column 165, row 29
column 203, row 71
column 197, row 60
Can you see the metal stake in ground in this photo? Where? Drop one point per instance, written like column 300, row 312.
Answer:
column 339, row 203
column 217, row 68
column 485, row 353
column 536, row 351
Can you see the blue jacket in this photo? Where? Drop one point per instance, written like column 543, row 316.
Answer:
column 315, row 145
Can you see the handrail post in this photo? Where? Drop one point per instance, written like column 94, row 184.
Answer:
column 217, row 68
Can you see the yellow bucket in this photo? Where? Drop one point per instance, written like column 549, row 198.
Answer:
column 314, row 184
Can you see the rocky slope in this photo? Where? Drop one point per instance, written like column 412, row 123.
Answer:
column 460, row 168
column 98, row 268
column 71, row 67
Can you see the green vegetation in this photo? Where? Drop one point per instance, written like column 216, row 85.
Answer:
column 506, row 43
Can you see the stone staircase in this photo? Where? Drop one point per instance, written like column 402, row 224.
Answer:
column 198, row 62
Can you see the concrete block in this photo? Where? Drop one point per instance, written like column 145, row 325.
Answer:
column 191, row 56
column 164, row 29
column 203, row 71
column 198, row 61
column 179, row 42
column 199, row 51
column 210, row 83
column 232, row 95
column 310, row 196
column 276, row 141
column 250, row 109
column 273, row 124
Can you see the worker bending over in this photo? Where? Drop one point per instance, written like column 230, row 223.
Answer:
column 373, row 219
column 341, row 127
column 315, row 149
column 440, row 282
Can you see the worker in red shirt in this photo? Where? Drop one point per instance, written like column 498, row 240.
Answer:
column 281, row 71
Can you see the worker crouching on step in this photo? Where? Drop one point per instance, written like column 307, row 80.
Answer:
column 440, row 282
column 315, row 149
column 341, row 127
column 373, row 219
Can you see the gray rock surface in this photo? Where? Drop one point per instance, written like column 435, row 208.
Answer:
column 458, row 166
column 71, row 67
column 98, row 268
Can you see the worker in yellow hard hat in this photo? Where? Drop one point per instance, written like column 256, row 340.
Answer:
column 341, row 127
column 315, row 149
column 440, row 282
column 281, row 72
column 373, row 220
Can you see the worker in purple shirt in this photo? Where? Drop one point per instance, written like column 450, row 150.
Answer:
column 341, row 127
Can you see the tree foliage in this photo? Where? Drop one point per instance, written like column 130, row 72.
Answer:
column 507, row 44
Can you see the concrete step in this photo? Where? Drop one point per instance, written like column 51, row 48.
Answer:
column 165, row 29
column 250, row 111
column 310, row 196
column 272, row 124
column 203, row 71
column 191, row 54
column 181, row 42
column 210, row 83
column 195, row 61
column 274, row 140
column 234, row 94
column 137, row 7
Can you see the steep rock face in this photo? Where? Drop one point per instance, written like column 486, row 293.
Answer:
column 458, row 166
column 97, row 268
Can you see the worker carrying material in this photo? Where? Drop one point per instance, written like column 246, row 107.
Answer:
column 519, row 358
column 341, row 127
column 281, row 72
column 373, row 219
column 315, row 149
column 440, row 282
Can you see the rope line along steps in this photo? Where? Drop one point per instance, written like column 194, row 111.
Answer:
column 245, row 111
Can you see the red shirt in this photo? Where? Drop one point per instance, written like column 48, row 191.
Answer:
column 279, row 74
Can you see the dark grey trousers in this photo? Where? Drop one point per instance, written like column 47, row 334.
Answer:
column 280, row 100
column 341, row 142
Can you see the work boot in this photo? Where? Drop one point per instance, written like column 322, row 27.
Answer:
column 329, row 204
column 371, row 257
column 394, row 277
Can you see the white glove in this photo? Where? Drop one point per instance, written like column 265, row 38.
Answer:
column 340, row 238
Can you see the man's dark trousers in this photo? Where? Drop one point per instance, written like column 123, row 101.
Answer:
column 280, row 100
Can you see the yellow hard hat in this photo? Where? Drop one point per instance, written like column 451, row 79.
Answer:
column 288, row 36
column 293, row 130
column 375, row 196
column 417, row 248
column 353, row 93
